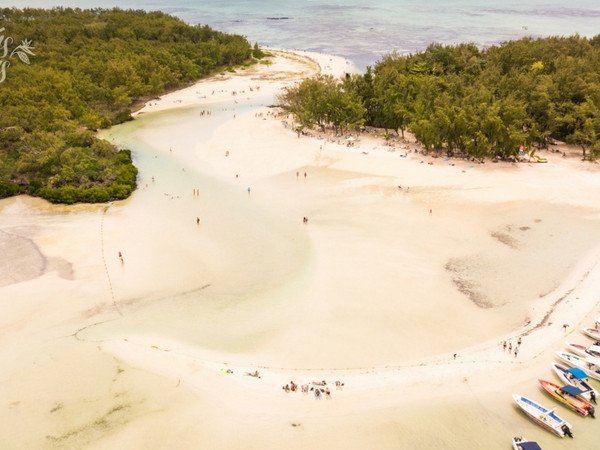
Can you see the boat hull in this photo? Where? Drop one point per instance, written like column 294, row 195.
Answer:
column 585, row 352
column 520, row 443
column 590, row 369
column 542, row 416
column 594, row 333
column 589, row 393
column 575, row 403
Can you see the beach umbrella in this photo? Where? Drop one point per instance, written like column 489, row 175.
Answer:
column 350, row 139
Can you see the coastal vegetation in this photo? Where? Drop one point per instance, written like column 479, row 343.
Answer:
column 85, row 70
column 465, row 101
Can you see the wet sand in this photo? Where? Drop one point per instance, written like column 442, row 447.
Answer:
column 374, row 291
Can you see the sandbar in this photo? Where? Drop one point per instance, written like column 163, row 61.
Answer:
column 389, row 274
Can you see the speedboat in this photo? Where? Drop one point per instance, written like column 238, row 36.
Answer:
column 593, row 351
column 570, row 396
column 520, row 443
column 578, row 378
column 591, row 369
column 543, row 416
column 594, row 333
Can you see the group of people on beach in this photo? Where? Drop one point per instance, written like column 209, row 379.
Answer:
column 509, row 346
column 318, row 388
column 264, row 115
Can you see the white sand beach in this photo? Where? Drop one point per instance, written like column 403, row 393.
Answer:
column 401, row 286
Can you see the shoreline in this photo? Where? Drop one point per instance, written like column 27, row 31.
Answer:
column 250, row 287
column 588, row 273
column 217, row 88
column 359, row 381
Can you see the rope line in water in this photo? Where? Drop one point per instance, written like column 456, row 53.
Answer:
column 112, row 293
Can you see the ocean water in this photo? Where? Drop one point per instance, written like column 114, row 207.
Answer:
column 364, row 32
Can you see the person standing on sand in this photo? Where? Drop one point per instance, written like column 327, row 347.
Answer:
column 197, row 220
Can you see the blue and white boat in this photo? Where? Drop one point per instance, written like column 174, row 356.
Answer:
column 591, row 369
column 543, row 416
column 520, row 443
column 577, row 378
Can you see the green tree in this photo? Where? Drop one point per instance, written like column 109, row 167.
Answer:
column 90, row 68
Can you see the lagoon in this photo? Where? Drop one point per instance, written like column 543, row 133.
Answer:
column 365, row 32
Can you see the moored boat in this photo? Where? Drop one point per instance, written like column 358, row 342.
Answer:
column 543, row 416
column 591, row 369
column 520, row 443
column 594, row 333
column 569, row 396
column 578, row 378
column 585, row 351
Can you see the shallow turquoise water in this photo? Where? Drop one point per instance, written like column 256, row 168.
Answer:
column 365, row 31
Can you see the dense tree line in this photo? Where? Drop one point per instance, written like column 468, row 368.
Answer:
column 465, row 101
column 86, row 70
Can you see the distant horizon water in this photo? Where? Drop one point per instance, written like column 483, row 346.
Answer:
column 365, row 32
